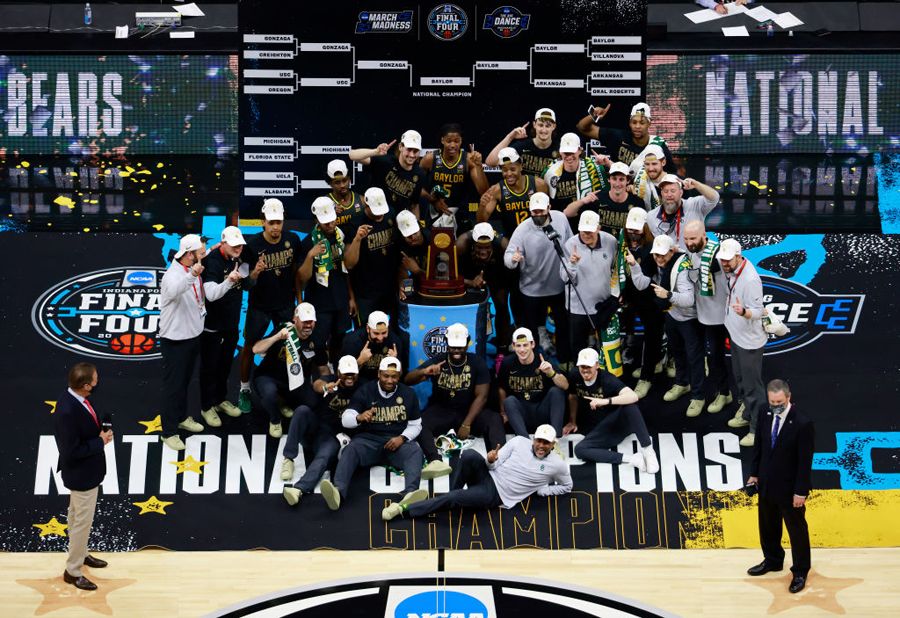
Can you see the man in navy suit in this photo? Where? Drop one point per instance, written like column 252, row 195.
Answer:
column 781, row 468
column 80, row 440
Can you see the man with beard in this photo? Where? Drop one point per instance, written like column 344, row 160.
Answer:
column 374, row 278
column 743, row 319
column 510, row 474
column 648, row 170
column 319, row 428
column 370, row 345
column 347, row 203
column 292, row 361
column 675, row 293
column 533, row 254
column 574, row 181
column 613, row 205
column 622, row 147
column 323, row 275
column 605, row 412
column 459, row 391
column 452, row 174
column 531, row 390
column 274, row 258
column 413, row 247
column 220, row 329
column 636, row 247
column 481, row 264
column 537, row 150
column 674, row 213
column 510, row 197
column 398, row 173
column 386, row 417
column 710, row 297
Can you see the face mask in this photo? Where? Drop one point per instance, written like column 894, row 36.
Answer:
column 777, row 409
column 539, row 220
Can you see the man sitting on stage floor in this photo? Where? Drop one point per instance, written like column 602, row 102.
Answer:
column 511, row 473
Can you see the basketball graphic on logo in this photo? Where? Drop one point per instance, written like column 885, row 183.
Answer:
column 132, row 344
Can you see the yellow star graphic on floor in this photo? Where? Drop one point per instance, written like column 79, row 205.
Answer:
column 52, row 405
column 820, row 592
column 59, row 595
column 189, row 465
column 443, row 318
column 52, row 527
column 153, row 505
column 154, row 425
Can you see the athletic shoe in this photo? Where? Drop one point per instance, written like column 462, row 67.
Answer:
column 636, row 373
column 737, row 422
column 275, row 430
column 174, row 443
column 659, row 368
column 244, row 403
column 719, row 403
column 650, row 457
column 211, row 418
column 636, row 460
column 435, row 469
column 642, row 388
column 287, row 469
column 695, row 408
column 391, row 511
column 189, row 424
column 230, row 409
column 292, row 495
column 287, row 412
column 677, row 390
column 748, row 440
column 414, row 496
column 670, row 368
column 331, row 494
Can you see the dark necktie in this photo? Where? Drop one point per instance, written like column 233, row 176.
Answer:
column 775, row 429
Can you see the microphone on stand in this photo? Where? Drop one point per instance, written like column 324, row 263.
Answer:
column 553, row 235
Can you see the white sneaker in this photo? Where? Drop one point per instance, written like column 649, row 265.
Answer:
column 677, row 391
column 230, row 409
column 650, row 457
column 636, row 460
column 695, row 408
column 642, row 388
column 189, row 424
column 174, row 443
column 436, row 469
column 287, row 469
column 275, row 430
column 211, row 417
column 748, row 440
column 331, row 494
column 391, row 511
column 292, row 495
column 719, row 403
column 414, row 496
column 287, row 412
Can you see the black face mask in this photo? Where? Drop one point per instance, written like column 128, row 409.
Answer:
column 540, row 220
column 777, row 409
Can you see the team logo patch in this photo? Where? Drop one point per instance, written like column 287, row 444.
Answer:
column 111, row 313
column 434, row 342
column 384, row 21
column 506, row 22
column 295, row 369
column 808, row 313
column 447, row 22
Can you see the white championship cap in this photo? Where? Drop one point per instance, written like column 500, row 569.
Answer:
column 636, row 219
column 640, row 108
column 539, row 201
column 653, row 150
column 232, row 236
column 662, row 245
column 376, row 201
column 337, row 169
column 589, row 221
column 457, row 335
column 522, row 334
column 389, row 363
column 407, row 223
column 188, row 242
column 619, row 168
column 411, row 139
column 569, row 142
column 545, row 113
column 323, row 209
column 670, row 178
column 588, row 357
column 273, row 209
column 545, row 432
column 348, row 364
column 377, row 318
column 305, row 312
column 728, row 248
column 483, row 232
column 508, row 155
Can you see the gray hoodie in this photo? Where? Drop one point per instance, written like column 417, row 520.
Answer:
column 539, row 271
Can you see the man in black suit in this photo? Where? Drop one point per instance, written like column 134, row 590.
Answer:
column 80, row 440
column 781, row 469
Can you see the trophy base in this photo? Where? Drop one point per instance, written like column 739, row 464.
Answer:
column 436, row 292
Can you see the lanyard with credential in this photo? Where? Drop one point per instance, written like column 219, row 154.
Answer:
column 733, row 282
column 201, row 297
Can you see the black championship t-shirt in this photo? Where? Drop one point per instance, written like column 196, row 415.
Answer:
column 566, row 189
column 335, row 296
column 605, row 385
column 613, row 214
column 354, row 343
column 392, row 413
column 379, row 257
column 496, row 274
column 345, row 214
column 401, row 187
column 524, row 381
column 535, row 160
column 455, row 386
column 620, row 146
column 333, row 404
column 225, row 313
column 274, row 364
column 275, row 286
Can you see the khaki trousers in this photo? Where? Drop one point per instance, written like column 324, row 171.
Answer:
column 81, row 516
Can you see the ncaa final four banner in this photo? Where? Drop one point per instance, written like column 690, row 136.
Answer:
column 95, row 298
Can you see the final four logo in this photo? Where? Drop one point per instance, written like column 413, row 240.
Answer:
column 506, row 22
column 434, row 342
column 112, row 313
column 447, row 22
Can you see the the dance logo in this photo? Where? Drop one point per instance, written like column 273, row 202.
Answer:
column 447, row 22
column 384, row 21
column 807, row 313
column 506, row 22
column 111, row 313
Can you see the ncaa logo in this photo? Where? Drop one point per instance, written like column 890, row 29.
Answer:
column 112, row 313
column 807, row 313
column 441, row 603
column 506, row 22
column 434, row 343
column 447, row 22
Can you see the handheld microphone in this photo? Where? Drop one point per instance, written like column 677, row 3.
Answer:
column 553, row 236
column 106, row 422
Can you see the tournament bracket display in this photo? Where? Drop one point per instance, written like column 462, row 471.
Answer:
column 356, row 74
column 117, row 105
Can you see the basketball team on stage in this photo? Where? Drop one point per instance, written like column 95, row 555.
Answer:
column 577, row 250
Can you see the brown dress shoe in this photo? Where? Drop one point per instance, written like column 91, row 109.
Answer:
column 82, row 582
column 94, row 563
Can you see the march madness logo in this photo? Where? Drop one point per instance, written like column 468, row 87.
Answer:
column 384, row 21
column 447, row 22
column 112, row 313
column 506, row 22
column 807, row 313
